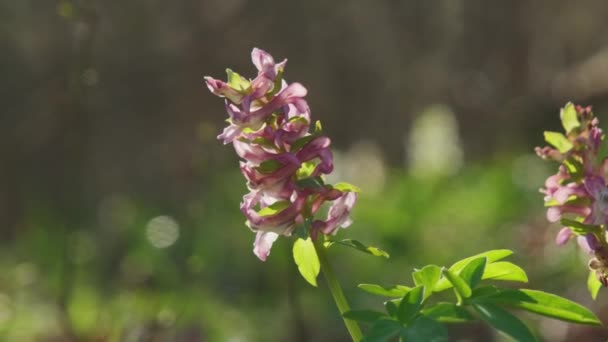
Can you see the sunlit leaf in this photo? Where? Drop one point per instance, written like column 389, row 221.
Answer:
column 274, row 208
column 593, row 284
column 473, row 271
column 428, row 276
column 236, row 81
column 392, row 291
column 491, row 256
column 504, row 322
column 307, row 260
column 569, row 117
column 559, row 141
column 461, row 288
column 504, row 270
column 542, row 303
column 346, row 187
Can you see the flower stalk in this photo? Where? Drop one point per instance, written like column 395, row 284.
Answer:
column 336, row 291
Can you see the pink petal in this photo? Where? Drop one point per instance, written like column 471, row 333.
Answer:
column 563, row 236
column 263, row 244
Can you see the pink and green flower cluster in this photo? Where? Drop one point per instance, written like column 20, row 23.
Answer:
column 283, row 160
column 577, row 195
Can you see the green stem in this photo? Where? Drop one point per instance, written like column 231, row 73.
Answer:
column 336, row 291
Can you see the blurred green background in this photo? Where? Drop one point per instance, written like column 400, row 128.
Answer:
column 119, row 208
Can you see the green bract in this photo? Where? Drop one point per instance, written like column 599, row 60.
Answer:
column 559, row 141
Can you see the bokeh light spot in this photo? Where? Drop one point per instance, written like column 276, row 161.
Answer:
column 162, row 231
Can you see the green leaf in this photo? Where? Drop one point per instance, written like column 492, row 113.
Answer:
column 485, row 291
column 318, row 127
column 278, row 81
column 569, row 117
column 392, row 307
column 382, row 330
column 269, row 166
column 311, row 182
column 274, row 208
column 424, row 329
column 306, row 169
column 448, row 313
column 236, row 81
column 504, row 322
column 263, row 142
column 307, row 260
column 575, row 169
column 580, row 228
column 301, row 142
column 473, row 271
column 461, row 288
column 361, row 247
column 392, row 291
column 542, row 303
column 365, row 316
column 428, row 276
column 593, row 284
column 559, row 141
column 504, row 270
column 491, row 256
column 410, row 304
column 346, row 187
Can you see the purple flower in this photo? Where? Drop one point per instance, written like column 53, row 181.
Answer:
column 282, row 161
column 338, row 215
column 577, row 196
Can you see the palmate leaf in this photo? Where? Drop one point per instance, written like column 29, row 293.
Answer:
column 501, row 270
column 306, row 258
column 539, row 302
column 504, row 321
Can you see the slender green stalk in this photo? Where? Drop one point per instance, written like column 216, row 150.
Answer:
column 336, row 291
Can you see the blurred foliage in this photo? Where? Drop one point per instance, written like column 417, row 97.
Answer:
column 106, row 280
column 107, row 149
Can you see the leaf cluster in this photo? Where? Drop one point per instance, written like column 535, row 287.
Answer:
column 411, row 316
